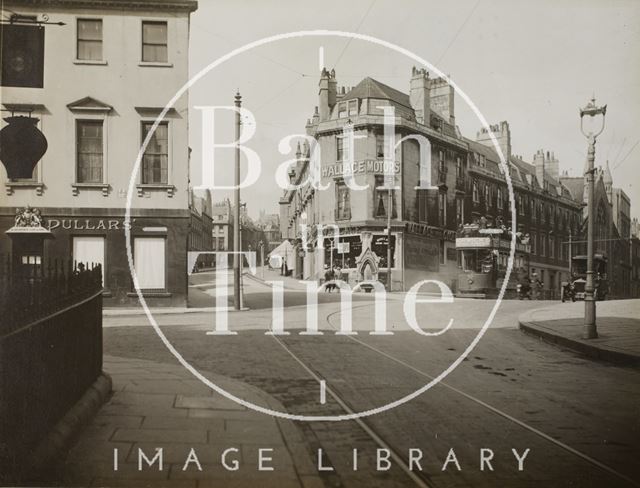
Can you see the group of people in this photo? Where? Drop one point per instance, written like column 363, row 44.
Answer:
column 330, row 275
column 531, row 286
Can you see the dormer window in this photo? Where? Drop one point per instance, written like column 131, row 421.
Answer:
column 347, row 108
column 342, row 110
column 353, row 107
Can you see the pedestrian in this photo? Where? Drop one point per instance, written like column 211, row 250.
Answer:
column 328, row 280
column 536, row 287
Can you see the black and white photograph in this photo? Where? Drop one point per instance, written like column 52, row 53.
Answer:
column 295, row 244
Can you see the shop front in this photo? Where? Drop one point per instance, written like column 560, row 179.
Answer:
column 97, row 236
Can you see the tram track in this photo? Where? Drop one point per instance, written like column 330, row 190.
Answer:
column 421, row 478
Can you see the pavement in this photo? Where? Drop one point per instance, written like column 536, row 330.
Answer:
column 160, row 405
column 617, row 322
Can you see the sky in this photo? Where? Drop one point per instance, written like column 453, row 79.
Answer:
column 533, row 64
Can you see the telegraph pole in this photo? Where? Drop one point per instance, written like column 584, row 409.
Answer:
column 236, row 212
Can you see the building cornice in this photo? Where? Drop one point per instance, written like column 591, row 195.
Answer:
column 170, row 5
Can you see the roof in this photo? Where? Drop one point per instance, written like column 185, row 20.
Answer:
column 370, row 88
column 181, row 5
column 575, row 185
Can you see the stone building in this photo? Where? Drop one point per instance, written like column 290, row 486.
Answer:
column 422, row 236
column 222, row 226
column 612, row 227
column 107, row 74
column 201, row 226
column 470, row 188
column 546, row 209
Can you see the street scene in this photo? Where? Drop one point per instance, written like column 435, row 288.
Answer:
column 318, row 251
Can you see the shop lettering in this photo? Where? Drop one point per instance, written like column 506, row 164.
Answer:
column 88, row 224
column 346, row 169
column 360, row 167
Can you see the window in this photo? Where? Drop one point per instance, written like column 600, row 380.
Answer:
column 422, row 206
column 89, row 250
column 459, row 211
column 89, row 151
column 343, row 201
column 89, row 45
column 442, row 209
column 155, row 161
column 149, row 262
column 342, row 110
column 500, row 203
column 154, row 42
column 520, row 205
column 533, row 240
column 552, row 247
column 379, row 146
column 441, row 164
column 381, row 199
column 487, row 195
column 342, row 148
column 459, row 168
column 475, row 192
column 543, row 245
column 353, row 107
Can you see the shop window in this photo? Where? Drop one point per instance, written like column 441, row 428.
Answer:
column 89, row 151
column 155, row 161
column 154, row 42
column 149, row 262
column 89, row 250
column 89, row 46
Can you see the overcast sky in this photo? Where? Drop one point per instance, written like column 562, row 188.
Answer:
column 530, row 63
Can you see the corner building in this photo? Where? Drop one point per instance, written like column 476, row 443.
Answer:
column 471, row 189
column 108, row 72
column 422, row 221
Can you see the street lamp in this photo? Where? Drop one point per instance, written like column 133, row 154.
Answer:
column 261, row 246
column 237, row 259
column 589, row 328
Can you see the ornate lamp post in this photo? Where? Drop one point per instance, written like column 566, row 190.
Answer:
column 261, row 246
column 589, row 329
column 237, row 259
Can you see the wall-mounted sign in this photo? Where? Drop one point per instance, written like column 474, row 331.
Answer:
column 367, row 166
column 473, row 242
column 89, row 224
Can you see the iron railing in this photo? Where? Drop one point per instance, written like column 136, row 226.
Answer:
column 50, row 352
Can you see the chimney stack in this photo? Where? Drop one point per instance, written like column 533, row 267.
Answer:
column 327, row 93
column 442, row 99
column 419, row 96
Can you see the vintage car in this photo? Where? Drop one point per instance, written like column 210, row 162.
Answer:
column 575, row 288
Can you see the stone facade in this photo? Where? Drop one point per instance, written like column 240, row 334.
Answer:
column 99, row 99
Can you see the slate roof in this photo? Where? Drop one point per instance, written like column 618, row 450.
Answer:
column 575, row 185
column 370, row 88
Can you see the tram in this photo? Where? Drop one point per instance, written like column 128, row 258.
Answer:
column 483, row 256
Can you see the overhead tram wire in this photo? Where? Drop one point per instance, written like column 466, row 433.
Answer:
column 356, row 30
